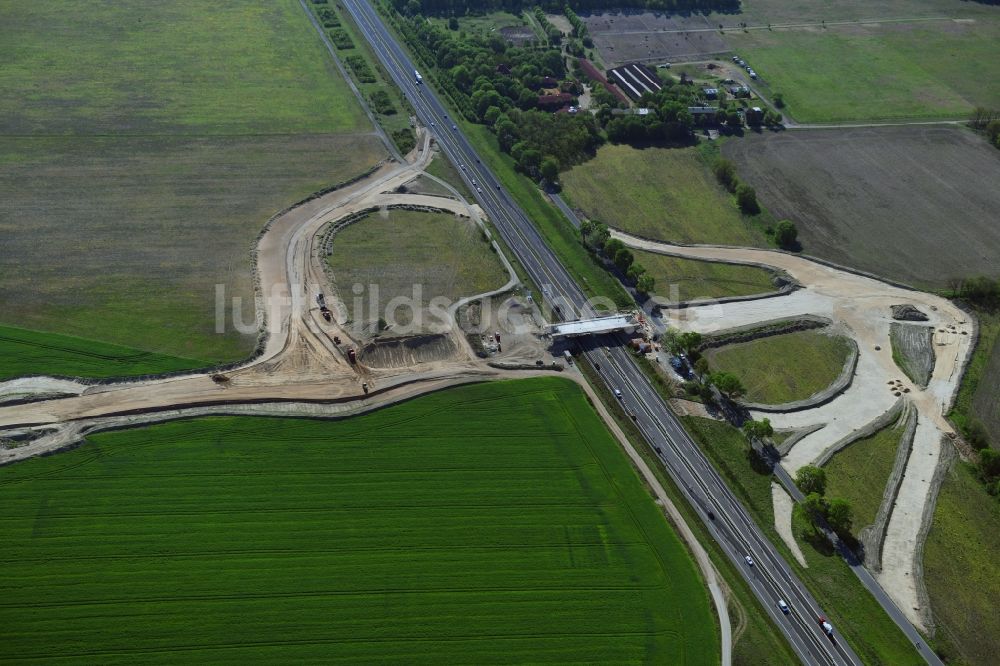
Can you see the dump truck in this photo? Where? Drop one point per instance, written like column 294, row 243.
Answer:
column 352, row 356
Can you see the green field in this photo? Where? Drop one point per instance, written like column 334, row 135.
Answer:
column 850, row 607
column 702, row 279
column 427, row 532
column 960, row 568
column 933, row 69
column 783, row 368
column 859, row 473
column 24, row 352
column 143, row 146
column 399, row 251
column 663, row 193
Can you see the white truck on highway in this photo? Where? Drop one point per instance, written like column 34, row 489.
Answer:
column 417, row 77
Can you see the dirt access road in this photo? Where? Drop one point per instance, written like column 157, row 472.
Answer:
column 861, row 306
column 299, row 362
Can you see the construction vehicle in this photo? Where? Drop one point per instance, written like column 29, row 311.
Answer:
column 325, row 311
column 336, row 339
column 321, row 300
column 364, row 387
column 352, row 355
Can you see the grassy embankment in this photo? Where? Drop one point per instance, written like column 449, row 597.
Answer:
column 979, row 395
column 850, row 607
column 461, row 536
column 664, row 193
column 756, row 640
column 670, row 194
column 682, row 279
column 783, row 368
column 401, row 251
column 157, row 171
column 960, row 568
column 934, row 69
column 859, row 473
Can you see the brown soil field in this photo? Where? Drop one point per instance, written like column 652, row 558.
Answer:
column 914, row 204
column 124, row 238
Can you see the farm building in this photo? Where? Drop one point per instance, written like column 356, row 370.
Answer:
column 553, row 102
column 635, row 79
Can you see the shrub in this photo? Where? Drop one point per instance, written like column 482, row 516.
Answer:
column 360, row 68
column 341, row 39
column 382, row 103
column 746, row 197
column 725, row 172
column 404, row 140
column 786, row 234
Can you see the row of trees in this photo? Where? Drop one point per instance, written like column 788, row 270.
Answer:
column 835, row 512
column 597, row 239
column 785, row 233
column 987, row 121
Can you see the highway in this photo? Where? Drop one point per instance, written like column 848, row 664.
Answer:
column 770, row 576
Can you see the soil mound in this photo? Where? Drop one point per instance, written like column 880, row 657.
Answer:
column 907, row 313
column 399, row 352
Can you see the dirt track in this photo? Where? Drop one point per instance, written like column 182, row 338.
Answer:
column 300, row 361
column 862, row 306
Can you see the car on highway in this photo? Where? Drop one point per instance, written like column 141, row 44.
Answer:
column 618, row 394
column 454, row 127
column 749, row 560
column 783, row 606
column 479, row 189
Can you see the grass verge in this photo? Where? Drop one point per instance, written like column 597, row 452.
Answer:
column 783, row 368
column 438, row 544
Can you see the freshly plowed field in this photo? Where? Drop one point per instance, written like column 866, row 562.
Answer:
column 915, row 204
column 491, row 523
